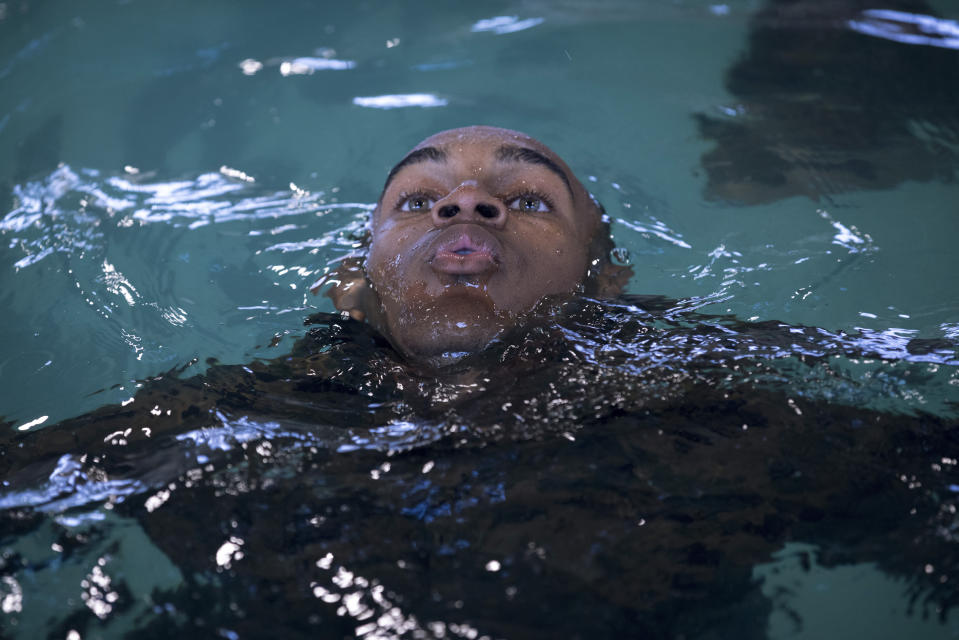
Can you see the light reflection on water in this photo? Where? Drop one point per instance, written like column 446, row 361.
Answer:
column 159, row 272
column 629, row 471
column 908, row 28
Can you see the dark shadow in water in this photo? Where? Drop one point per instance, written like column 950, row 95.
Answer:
column 6, row 196
column 586, row 476
column 39, row 152
column 822, row 108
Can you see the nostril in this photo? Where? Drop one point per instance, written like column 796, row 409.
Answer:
column 448, row 211
column 487, row 210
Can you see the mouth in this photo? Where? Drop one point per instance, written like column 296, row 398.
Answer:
column 465, row 252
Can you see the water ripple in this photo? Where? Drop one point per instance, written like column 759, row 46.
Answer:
column 500, row 25
column 907, row 28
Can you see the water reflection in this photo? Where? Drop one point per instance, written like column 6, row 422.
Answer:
column 831, row 97
column 500, row 25
column 851, row 600
column 908, row 28
column 306, row 66
column 400, row 100
column 150, row 271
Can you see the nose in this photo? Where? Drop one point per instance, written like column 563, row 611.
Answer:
column 469, row 203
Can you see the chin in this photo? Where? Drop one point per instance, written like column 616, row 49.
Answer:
column 446, row 333
column 461, row 321
column 444, row 341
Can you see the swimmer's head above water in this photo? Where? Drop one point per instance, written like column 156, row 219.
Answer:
column 475, row 226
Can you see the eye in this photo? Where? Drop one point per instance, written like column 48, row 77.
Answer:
column 530, row 203
column 418, row 202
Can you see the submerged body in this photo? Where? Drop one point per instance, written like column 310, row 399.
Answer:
column 585, row 465
column 597, row 472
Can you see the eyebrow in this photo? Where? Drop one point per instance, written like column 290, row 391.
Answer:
column 531, row 156
column 506, row 152
column 423, row 154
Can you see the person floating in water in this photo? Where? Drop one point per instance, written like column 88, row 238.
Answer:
column 474, row 228
column 481, row 236
column 477, row 230
column 614, row 458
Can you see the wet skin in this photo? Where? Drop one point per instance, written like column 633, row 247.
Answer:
column 475, row 226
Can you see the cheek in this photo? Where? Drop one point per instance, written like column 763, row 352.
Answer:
column 552, row 264
column 379, row 262
column 555, row 256
column 394, row 263
column 562, row 269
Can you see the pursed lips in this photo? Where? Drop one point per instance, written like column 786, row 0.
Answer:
column 464, row 252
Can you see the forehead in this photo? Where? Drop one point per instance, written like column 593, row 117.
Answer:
column 481, row 136
column 483, row 143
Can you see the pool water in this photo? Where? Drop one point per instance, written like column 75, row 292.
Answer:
column 767, row 416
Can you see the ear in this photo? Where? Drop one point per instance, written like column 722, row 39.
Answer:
column 611, row 280
column 610, row 270
column 351, row 291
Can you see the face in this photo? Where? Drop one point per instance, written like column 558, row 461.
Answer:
column 475, row 226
